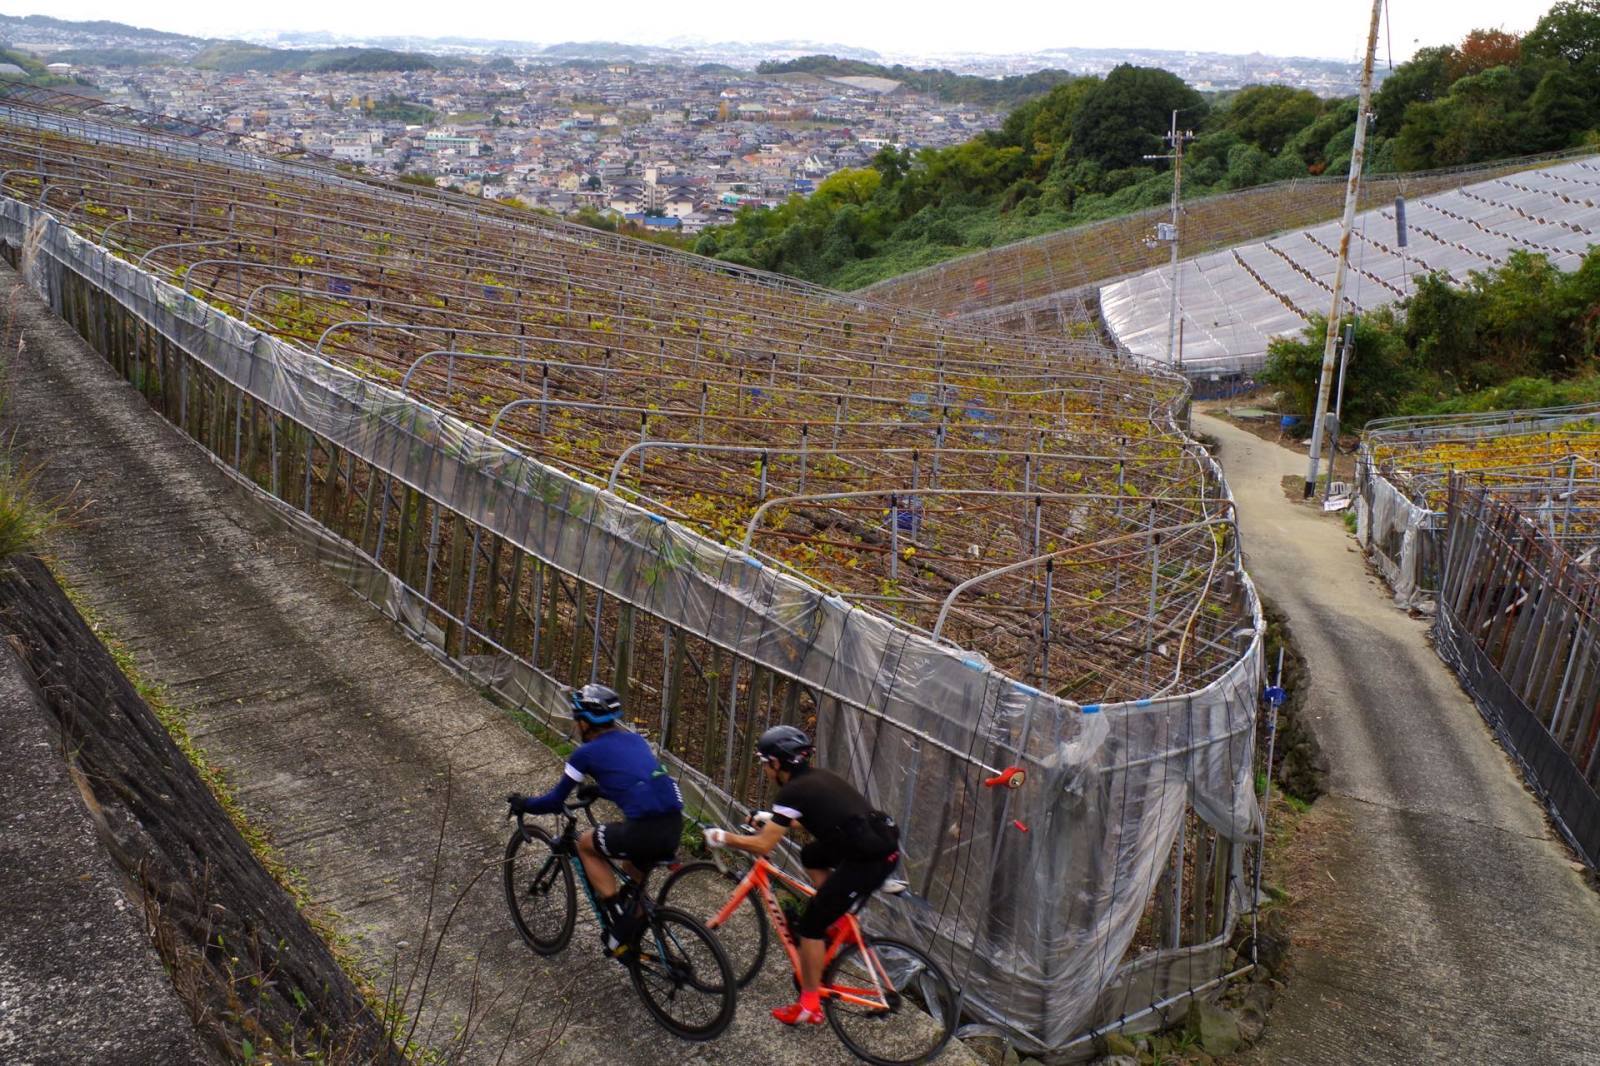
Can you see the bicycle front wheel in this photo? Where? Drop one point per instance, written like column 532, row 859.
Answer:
column 891, row 1005
column 701, row 890
column 540, row 890
column 683, row 976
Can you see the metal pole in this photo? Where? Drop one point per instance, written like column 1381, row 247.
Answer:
column 1176, row 144
column 894, row 537
column 1352, row 192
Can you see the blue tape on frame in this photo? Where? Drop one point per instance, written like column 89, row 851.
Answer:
column 1141, row 703
column 1090, row 708
column 973, row 664
column 1029, row 689
column 657, row 518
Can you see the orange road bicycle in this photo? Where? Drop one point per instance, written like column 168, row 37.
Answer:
column 888, row 1001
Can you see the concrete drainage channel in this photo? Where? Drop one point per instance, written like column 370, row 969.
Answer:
column 250, row 972
column 379, row 776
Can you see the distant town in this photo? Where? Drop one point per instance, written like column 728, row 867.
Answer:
column 669, row 139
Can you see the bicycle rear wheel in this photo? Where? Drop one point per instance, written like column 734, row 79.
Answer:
column 683, row 976
column 914, row 1011
column 540, row 890
column 701, row 890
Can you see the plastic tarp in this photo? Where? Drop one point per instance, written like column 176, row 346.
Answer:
column 1035, row 924
column 1233, row 303
column 1390, row 527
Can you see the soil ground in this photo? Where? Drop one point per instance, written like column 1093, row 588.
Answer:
column 342, row 736
column 1436, row 917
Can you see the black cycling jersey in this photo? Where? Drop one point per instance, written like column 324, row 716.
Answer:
column 820, row 800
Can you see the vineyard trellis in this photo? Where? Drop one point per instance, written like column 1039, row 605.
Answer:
column 1237, row 300
column 560, row 455
column 1519, row 607
column 1045, row 279
column 1405, row 464
column 1492, row 521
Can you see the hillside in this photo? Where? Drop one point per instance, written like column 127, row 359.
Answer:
column 947, row 85
column 234, row 56
column 1079, row 153
column 119, row 44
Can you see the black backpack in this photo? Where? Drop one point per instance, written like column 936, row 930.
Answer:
column 868, row 837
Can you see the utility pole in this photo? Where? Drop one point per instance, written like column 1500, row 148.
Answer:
column 1168, row 232
column 1352, row 192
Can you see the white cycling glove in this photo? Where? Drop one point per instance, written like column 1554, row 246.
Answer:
column 716, row 838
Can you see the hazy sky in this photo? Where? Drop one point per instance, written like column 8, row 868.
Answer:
column 1280, row 27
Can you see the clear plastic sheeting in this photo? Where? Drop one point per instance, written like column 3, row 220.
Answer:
column 1234, row 302
column 1032, row 898
column 1392, row 529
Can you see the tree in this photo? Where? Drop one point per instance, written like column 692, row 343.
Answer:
column 1560, row 110
column 1424, row 78
column 1569, row 31
column 1482, row 118
column 1268, row 115
column 1122, row 119
column 1483, row 50
column 1379, row 373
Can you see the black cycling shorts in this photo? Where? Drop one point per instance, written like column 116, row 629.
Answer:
column 640, row 840
column 850, row 883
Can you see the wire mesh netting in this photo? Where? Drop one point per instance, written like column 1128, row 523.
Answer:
column 1405, row 466
column 560, row 455
column 1519, row 607
column 1234, row 302
column 1049, row 284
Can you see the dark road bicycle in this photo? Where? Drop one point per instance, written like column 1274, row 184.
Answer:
column 677, row 966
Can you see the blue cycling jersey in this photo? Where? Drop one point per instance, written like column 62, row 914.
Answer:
column 626, row 771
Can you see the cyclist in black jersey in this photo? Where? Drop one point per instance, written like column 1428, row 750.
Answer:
column 852, row 852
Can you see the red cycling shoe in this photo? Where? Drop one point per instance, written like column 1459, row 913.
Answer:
column 795, row 1014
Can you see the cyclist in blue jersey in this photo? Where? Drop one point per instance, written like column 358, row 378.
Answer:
column 626, row 772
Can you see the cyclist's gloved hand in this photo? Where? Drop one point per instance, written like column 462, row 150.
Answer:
column 515, row 801
column 760, row 818
column 716, row 838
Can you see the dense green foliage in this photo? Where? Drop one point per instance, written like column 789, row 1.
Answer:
column 395, row 109
column 108, row 57
column 1076, row 154
column 33, row 70
column 236, row 56
column 1525, row 335
column 956, row 88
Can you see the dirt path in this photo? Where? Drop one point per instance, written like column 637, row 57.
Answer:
column 338, row 730
column 1439, row 920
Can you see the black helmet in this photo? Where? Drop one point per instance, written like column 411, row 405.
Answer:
column 596, row 704
column 789, row 746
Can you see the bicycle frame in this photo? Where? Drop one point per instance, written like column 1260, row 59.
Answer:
column 759, row 880
column 568, row 839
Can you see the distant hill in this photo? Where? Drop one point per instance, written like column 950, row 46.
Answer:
column 109, row 57
column 97, row 26
column 235, row 56
column 956, row 88
column 109, row 43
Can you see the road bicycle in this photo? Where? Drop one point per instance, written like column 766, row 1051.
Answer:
column 887, row 1000
column 678, row 967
